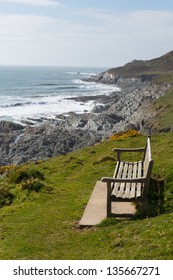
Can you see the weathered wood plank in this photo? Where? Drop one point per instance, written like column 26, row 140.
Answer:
column 128, row 185
column 139, row 190
column 123, row 185
column 117, row 167
column 115, row 190
column 120, row 170
column 133, row 186
column 139, row 185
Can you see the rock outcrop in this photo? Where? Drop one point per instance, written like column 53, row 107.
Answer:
column 32, row 143
column 121, row 110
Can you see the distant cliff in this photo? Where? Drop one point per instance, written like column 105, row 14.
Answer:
column 144, row 68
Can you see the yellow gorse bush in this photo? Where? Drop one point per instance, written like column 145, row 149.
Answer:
column 125, row 134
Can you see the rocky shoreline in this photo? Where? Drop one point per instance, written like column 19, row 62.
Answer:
column 121, row 110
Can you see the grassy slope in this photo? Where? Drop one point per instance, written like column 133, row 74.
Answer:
column 158, row 66
column 45, row 225
column 164, row 107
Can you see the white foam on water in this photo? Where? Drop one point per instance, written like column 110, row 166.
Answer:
column 96, row 88
column 87, row 74
column 46, row 106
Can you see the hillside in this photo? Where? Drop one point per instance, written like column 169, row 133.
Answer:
column 43, row 224
column 163, row 64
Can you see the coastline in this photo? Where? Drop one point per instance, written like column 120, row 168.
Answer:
column 118, row 111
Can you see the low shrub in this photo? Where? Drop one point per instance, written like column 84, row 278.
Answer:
column 156, row 196
column 31, row 185
column 20, row 174
column 6, row 198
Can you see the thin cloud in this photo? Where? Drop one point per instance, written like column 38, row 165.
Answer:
column 102, row 40
column 33, row 2
column 24, row 26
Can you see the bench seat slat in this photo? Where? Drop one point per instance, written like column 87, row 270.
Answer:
column 139, row 190
column 119, row 187
column 120, row 170
column 139, row 185
column 117, row 174
column 128, row 185
column 133, row 185
column 117, row 167
column 128, row 190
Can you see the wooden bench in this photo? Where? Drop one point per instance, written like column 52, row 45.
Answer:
column 131, row 179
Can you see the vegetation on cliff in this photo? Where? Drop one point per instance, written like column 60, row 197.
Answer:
column 164, row 108
column 154, row 67
column 43, row 224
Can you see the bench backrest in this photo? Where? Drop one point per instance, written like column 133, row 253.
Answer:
column 147, row 156
column 147, row 162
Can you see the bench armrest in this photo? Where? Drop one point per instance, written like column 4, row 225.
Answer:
column 129, row 150
column 120, row 150
column 121, row 180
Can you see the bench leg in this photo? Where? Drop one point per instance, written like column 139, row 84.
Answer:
column 108, row 199
column 145, row 208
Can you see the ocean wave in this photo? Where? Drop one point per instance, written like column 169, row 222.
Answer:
column 87, row 74
column 57, row 86
column 95, row 87
column 66, row 87
column 16, row 104
column 77, row 81
column 72, row 73
column 49, row 108
column 81, row 73
column 46, row 85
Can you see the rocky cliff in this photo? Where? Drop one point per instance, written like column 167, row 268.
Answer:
column 141, row 83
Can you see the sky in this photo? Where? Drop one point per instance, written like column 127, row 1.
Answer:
column 98, row 33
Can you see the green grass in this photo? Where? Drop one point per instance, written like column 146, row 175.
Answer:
column 164, row 108
column 164, row 77
column 161, row 66
column 44, row 225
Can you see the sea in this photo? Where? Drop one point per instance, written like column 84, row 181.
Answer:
column 31, row 93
